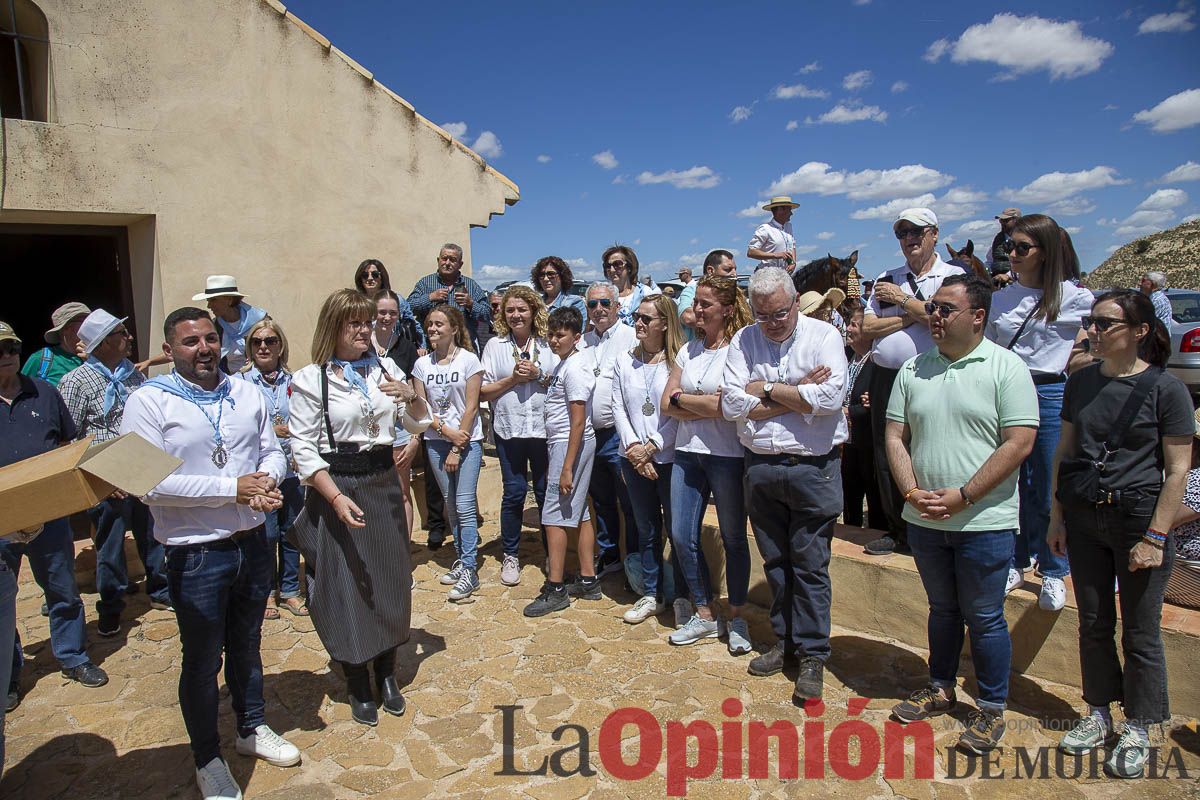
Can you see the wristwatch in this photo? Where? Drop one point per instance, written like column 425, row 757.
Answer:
column 767, row 389
column 675, row 397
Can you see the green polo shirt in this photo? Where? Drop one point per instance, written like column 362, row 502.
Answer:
column 955, row 412
column 50, row 364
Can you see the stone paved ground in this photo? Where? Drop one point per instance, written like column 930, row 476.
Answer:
column 126, row 740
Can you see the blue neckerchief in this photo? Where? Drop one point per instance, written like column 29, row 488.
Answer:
column 350, row 373
column 271, row 390
column 173, row 384
column 116, row 391
column 233, row 334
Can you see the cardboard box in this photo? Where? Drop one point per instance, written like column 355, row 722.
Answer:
column 77, row 476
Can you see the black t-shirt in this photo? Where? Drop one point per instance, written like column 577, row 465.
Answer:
column 1092, row 402
column 861, row 435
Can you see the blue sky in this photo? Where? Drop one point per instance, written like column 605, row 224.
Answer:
column 664, row 124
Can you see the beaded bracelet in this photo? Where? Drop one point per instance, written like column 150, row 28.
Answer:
column 1156, row 534
column 910, row 492
column 1155, row 543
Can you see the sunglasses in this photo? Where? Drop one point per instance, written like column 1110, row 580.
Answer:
column 605, row 301
column 1022, row 248
column 645, row 319
column 1102, row 323
column 617, row 264
column 549, row 274
column 910, row 233
column 10, row 349
column 942, row 309
column 124, row 334
column 269, row 341
column 372, row 273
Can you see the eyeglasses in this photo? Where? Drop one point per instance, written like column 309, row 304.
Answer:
column 943, row 309
column 617, row 264
column 778, row 316
column 550, row 273
column 372, row 273
column 1102, row 323
column 645, row 319
column 910, row 233
column 268, row 341
column 123, row 333
column 358, row 325
column 604, row 301
column 1022, row 248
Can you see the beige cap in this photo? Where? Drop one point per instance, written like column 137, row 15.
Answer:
column 62, row 317
column 922, row 217
column 7, row 334
column 1009, row 213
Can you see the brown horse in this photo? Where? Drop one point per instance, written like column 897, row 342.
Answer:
column 824, row 274
column 966, row 259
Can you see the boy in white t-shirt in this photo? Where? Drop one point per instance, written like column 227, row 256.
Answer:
column 572, row 444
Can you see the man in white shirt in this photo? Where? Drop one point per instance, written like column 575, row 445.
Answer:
column 896, row 322
column 773, row 244
column 784, row 383
column 607, row 338
column 210, row 515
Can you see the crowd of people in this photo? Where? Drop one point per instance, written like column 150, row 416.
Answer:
column 986, row 433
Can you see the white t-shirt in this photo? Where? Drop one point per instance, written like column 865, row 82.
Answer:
column 446, row 388
column 637, row 389
column 600, row 352
column 572, row 381
column 891, row 351
column 519, row 413
column 1044, row 347
column 702, row 371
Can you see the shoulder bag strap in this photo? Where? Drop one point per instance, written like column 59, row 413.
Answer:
column 44, row 366
column 912, row 284
column 1025, row 322
column 325, row 407
column 1141, row 390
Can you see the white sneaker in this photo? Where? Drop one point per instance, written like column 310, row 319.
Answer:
column 1054, row 594
column 683, row 611
column 268, row 745
column 695, row 630
column 510, row 571
column 451, row 577
column 1015, row 580
column 739, row 637
column 643, row 609
column 216, row 783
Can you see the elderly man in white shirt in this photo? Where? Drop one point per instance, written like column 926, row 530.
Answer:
column 210, row 516
column 898, row 327
column 607, row 338
column 773, row 244
column 784, row 382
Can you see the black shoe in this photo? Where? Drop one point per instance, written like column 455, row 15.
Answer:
column 14, row 698
column 607, row 566
column 390, row 699
column 551, row 598
column 162, row 605
column 109, row 625
column 358, row 687
column 87, row 674
column 883, row 546
column 811, row 681
column 131, row 588
column 585, row 588
column 436, row 539
column 45, row 609
column 771, row 662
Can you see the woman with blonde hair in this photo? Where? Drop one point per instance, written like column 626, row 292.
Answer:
column 517, row 364
column 449, row 379
column 648, row 441
column 709, row 462
column 267, row 347
column 345, row 407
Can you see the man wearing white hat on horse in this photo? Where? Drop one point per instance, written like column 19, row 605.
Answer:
column 773, row 244
column 235, row 318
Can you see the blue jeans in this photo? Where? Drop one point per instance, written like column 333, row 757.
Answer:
column 52, row 559
column 112, row 519
column 519, row 458
column 279, row 522
column 1034, row 486
column 458, row 488
column 610, row 497
column 8, row 631
column 693, row 480
column 651, row 509
column 964, row 574
column 220, row 591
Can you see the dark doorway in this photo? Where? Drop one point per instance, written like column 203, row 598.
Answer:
column 45, row 266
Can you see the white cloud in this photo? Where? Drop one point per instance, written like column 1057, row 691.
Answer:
column 1189, row 171
column 491, row 274
column 1112, row 248
column 1163, row 199
column 957, row 203
column 899, row 86
column 694, row 178
column 543, row 159
column 1110, row 107
column 983, row 229
column 584, row 270
column 740, row 113
column 844, row 113
column 750, row 212
column 1175, row 22
column 1141, row 223
column 1026, row 44
column 1070, row 207
column 792, row 125
column 891, row 209
column 1189, row 218
column 808, row 69
column 795, row 90
column 456, row 129
column 825, row 236
column 1060, row 185
column 620, row 179
column 488, row 145
column 1177, row 112
column 815, row 177
column 606, row 159
column 857, row 80
column 1074, row 230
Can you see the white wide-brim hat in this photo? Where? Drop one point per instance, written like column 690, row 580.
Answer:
column 98, row 325
column 219, row 286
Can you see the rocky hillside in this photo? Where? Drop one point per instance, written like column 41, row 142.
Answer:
column 1175, row 252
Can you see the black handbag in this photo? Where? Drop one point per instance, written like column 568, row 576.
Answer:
column 1082, row 480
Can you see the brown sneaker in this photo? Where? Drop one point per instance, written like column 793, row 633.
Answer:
column 984, row 731
column 923, row 704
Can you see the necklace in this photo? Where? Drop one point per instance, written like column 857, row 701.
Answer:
column 266, row 380
column 519, row 355
column 647, row 405
column 712, row 358
column 220, row 456
column 443, row 403
column 779, row 352
column 601, row 349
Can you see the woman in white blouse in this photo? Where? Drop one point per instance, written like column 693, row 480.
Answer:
column 449, row 379
column 621, row 267
column 709, row 461
column 345, row 407
column 648, row 441
column 1040, row 318
column 516, row 367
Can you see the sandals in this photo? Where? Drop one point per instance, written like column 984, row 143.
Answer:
column 294, row 605
column 272, row 611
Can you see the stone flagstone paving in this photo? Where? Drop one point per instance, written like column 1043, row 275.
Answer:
column 127, row 741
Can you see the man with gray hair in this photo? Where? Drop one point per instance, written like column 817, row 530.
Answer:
column 448, row 285
column 1152, row 285
column 607, row 338
column 784, row 380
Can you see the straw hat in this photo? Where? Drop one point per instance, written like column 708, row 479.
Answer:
column 811, row 301
column 781, row 200
column 219, row 286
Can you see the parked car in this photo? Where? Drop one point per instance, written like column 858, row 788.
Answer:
column 1185, row 337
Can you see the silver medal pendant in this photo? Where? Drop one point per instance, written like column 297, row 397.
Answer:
column 220, row 456
column 647, row 409
column 277, row 419
column 596, row 371
column 373, row 429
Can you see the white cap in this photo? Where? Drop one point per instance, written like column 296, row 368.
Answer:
column 98, row 325
column 922, row 217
